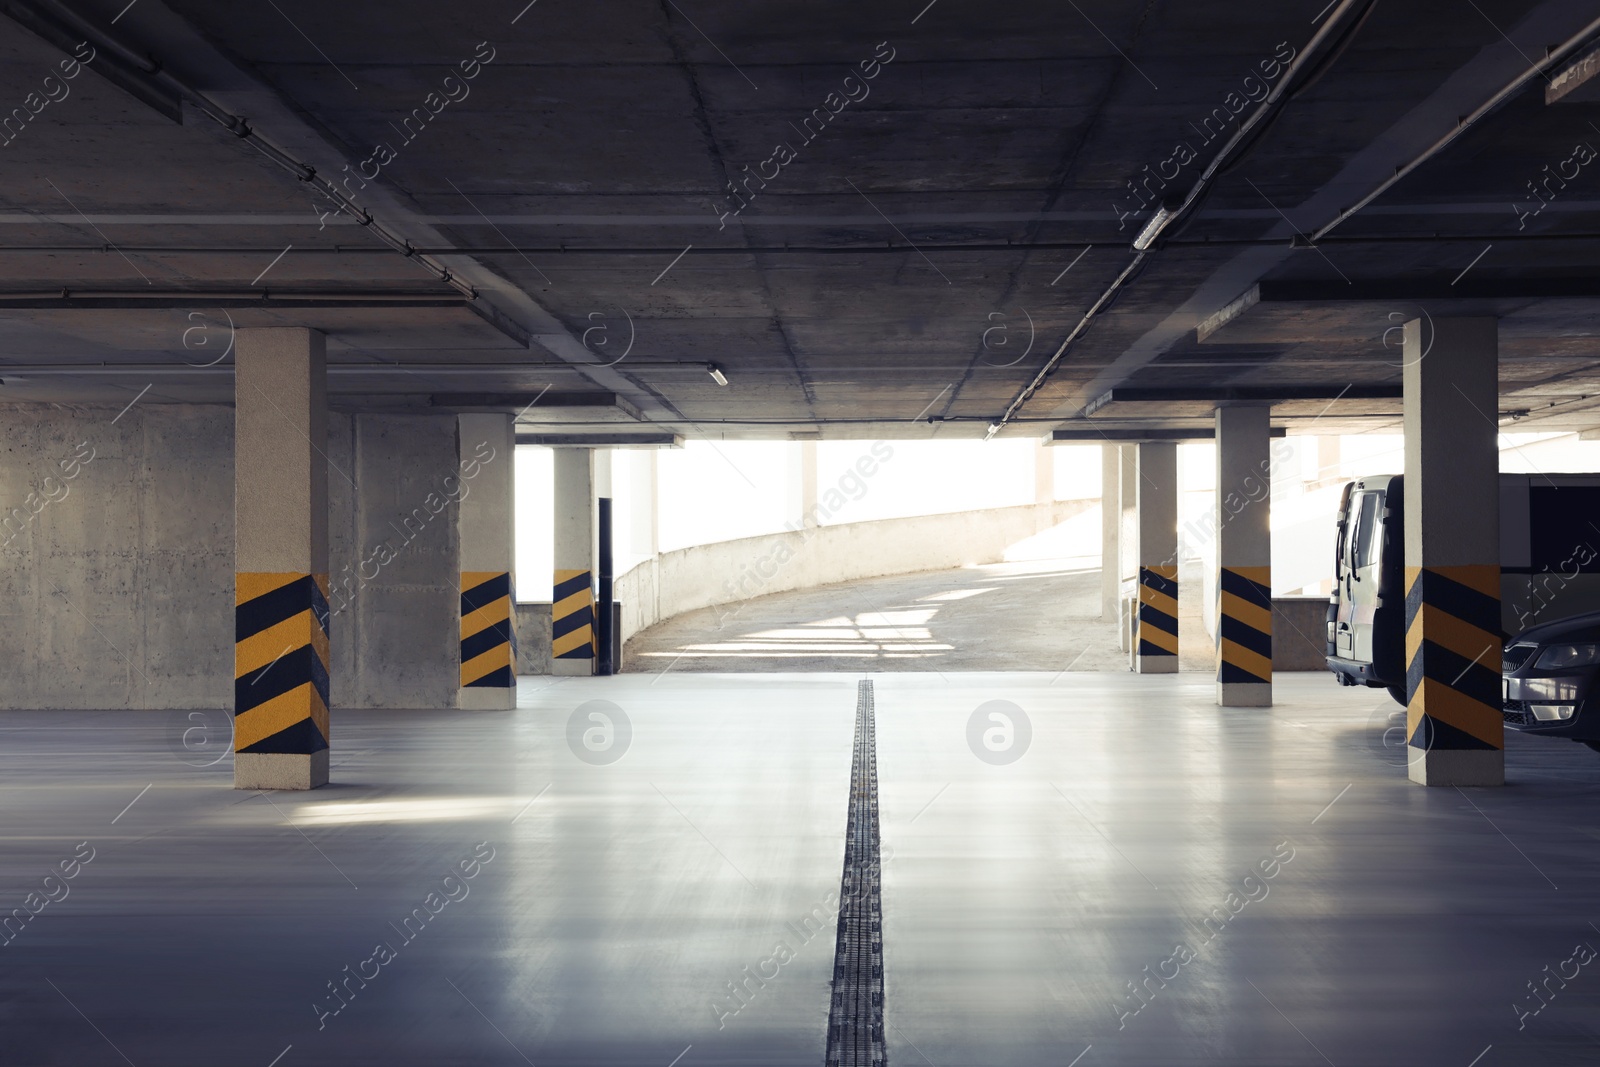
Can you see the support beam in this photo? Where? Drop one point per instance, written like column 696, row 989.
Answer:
column 1044, row 484
column 531, row 406
column 1156, row 637
column 1134, row 434
column 605, row 620
column 648, row 521
column 1240, row 394
column 486, row 445
column 1127, row 561
column 572, row 629
column 1452, row 553
column 1110, row 529
column 601, row 440
column 1244, row 557
column 1327, row 461
column 1044, row 474
column 1296, row 310
column 803, row 484
column 281, row 732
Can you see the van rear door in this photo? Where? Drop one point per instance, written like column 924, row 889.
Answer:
column 1356, row 584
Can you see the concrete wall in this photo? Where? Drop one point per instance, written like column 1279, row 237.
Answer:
column 394, row 582
column 533, row 639
column 116, row 583
column 119, row 591
column 1299, row 633
column 728, row 571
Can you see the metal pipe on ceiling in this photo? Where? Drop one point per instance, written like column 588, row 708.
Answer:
column 55, row 22
column 792, row 250
column 1147, row 239
column 62, row 370
column 234, row 297
column 1465, row 123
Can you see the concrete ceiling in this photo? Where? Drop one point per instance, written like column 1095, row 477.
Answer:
column 908, row 272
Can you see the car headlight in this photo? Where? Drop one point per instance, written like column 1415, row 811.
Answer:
column 1560, row 657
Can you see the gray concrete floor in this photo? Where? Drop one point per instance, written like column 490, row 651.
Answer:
column 623, row 898
column 931, row 621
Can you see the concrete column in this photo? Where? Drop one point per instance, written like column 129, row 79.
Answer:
column 1128, row 496
column 642, row 537
column 572, row 631
column 1128, row 548
column 655, row 534
column 1044, row 484
column 1452, row 531
column 1244, row 556
column 280, row 504
column 1110, row 529
column 1327, row 461
column 803, row 484
column 605, row 562
column 1157, row 491
column 486, row 445
column 1044, row 473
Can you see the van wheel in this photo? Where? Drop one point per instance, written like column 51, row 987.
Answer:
column 1594, row 745
column 1399, row 694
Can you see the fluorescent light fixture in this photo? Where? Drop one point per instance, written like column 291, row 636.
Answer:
column 716, row 374
column 1152, row 229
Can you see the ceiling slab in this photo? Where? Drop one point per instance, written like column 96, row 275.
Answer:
column 605, row 187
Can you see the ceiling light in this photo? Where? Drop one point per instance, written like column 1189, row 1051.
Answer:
column 1152, row 229
column 716, row 374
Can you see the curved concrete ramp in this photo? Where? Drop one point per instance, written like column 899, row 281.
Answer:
column 1041, row 615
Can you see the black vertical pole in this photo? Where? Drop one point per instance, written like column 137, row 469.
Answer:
column 603, row 620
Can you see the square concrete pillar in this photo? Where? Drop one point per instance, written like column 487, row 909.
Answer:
column 572, row 620
column 1156, row 638
column 1044, row 485
column 486, row 445
column 1127, row 562
column 1128, row 497
column 1451, row 384
column 801, row 472
column 281, row 731
column 1244, row 556
column 1110, row 528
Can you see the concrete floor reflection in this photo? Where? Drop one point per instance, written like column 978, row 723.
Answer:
column 542, row 904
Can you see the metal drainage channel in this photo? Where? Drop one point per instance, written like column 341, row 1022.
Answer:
column 855, row 1016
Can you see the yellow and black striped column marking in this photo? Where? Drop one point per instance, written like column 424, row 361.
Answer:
column 572, row 616
column 488, row 631
column 280, row 661
column 1453, row 658
column 1158, row 610
column 1244, row 625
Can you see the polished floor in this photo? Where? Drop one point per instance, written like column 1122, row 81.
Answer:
column 628, row 870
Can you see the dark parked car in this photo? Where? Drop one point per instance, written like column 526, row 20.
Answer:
column 1550, row 680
